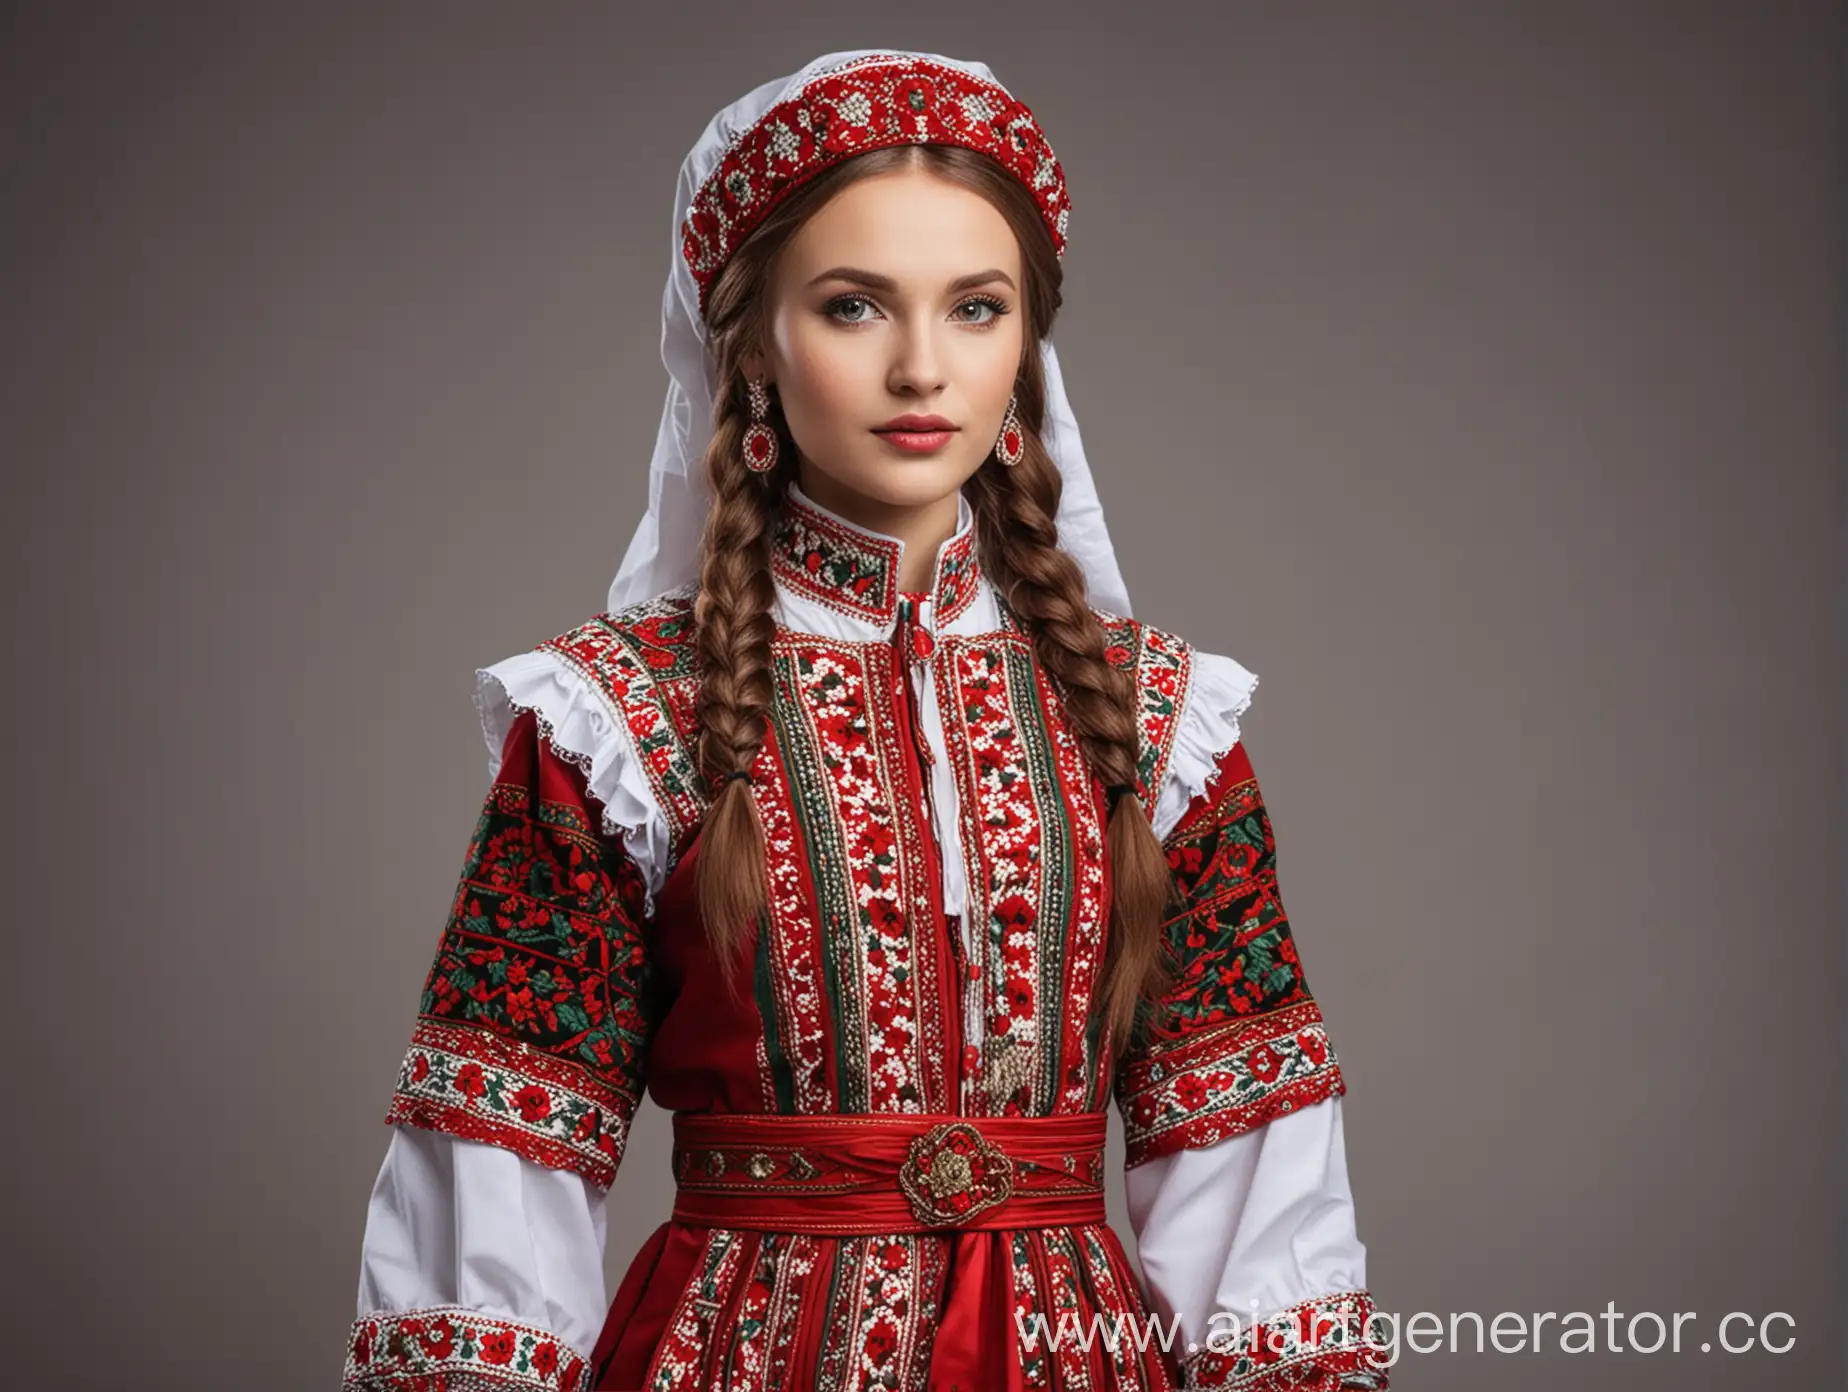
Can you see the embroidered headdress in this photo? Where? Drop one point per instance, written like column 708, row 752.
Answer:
column 752, row 155
column 864, row 103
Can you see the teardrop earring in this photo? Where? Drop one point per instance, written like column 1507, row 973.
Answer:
column 1011, row 448
column 760, row 443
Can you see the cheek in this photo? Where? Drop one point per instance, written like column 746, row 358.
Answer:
column 989, row 376
column 998, row 371
column 827, row 381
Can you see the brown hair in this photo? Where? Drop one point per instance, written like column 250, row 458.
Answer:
column 1016, row 537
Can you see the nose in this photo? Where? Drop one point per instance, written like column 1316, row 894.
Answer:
column 917, row 365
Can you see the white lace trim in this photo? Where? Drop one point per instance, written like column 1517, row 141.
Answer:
column 584, row 727
column 1219, row 690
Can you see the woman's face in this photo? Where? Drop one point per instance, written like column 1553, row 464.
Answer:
column 899, row 297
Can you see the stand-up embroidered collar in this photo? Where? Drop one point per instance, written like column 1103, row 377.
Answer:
column 824, row 557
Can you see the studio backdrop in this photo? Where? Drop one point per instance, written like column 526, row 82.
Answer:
column 1473, row 374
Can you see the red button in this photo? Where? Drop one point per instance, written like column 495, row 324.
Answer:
column 975, row 971
column 922, row 644
column 972, row 1058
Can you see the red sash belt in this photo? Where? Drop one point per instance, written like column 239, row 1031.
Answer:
column 887, row 1173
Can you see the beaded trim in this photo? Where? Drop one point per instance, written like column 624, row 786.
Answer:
column 856, row 571
column 459, row 1350
column 1316, row 1345
column 881, row 100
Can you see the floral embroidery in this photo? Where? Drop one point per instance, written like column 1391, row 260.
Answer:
column 1068, row 1298
column 855, row 1003
column 1012, row 857
column 958, row 576
column 872, row 101
column 1161, row 664
column 689, row 1351
column 1318, row 1345
column 1225, row 1081
column 1238, row 1038
column 641, row 660
column 841, row 566
column 763, row 1337
column 837, row 742
column 531, row 1029
column 1033, row 851
column 473, row 1083
column 1107, row 1268
column 458, row 1350
column 856, row 571
column 896, row 1280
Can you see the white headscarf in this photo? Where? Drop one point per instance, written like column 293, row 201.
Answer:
column 664, row 552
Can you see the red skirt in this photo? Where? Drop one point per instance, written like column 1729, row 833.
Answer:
column 945, row 1254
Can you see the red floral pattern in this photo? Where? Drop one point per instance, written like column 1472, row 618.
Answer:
column 448, row 1348
column 1238, row 1039
column 531, row 1029
column 1027, row 1249
column 641, row 660
column 864, row 104
column 687, row 1354
column 1318, row 1345
column 1161, row 664
column 474, row 1083
column 1033, row 852
column 856, row 1005
column 840, row 757
column 826, row 560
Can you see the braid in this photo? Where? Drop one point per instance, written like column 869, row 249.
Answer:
column 733, row 628
column 1016, row 510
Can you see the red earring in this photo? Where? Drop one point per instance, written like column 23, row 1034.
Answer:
column 1011, row 448
column 760, row 444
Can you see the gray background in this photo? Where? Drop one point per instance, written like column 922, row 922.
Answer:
column 1473, row 372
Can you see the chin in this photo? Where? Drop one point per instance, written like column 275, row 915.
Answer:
column 905, row 482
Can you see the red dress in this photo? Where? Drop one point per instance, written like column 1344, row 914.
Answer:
column 915, row 1007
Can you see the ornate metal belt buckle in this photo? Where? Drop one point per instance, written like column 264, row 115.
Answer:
column 951, row 1173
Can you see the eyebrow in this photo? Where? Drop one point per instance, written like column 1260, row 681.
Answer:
column 872, row 280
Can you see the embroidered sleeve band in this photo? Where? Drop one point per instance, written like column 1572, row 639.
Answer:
column 1229, row 1079
column 531, row 1032
column 1238, row 1038
column 458, row 1350
column 1317, row 1345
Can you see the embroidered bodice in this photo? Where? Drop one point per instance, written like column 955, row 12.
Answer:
column 938, row 910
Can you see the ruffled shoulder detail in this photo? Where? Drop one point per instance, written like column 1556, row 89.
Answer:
column 1189, row 704
column 1218, row 693
column 618, row 697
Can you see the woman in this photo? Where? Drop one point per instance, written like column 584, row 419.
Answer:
column 868, row 834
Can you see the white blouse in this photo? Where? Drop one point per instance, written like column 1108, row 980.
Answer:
column 1250, row 1225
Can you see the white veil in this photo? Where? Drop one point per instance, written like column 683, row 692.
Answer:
column 664, row 552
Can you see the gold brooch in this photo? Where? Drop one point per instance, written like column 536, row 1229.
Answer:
column 951, row 1173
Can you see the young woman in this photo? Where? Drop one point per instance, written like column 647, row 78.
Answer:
column 868, row 833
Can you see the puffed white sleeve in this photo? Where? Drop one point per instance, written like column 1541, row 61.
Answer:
column 1230, row 1092
column 482, row 1257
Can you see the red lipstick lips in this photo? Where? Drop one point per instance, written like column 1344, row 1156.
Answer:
column 916, row 434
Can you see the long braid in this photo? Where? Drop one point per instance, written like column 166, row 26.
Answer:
column 733, row 630
column 1016, row 510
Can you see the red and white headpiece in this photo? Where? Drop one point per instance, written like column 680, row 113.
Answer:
column 864, row 103
column 753, row 154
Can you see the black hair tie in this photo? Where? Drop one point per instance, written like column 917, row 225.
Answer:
column 1118, row 791
column 745, row 774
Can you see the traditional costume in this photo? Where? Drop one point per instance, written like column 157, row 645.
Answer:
column 889, row 1146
